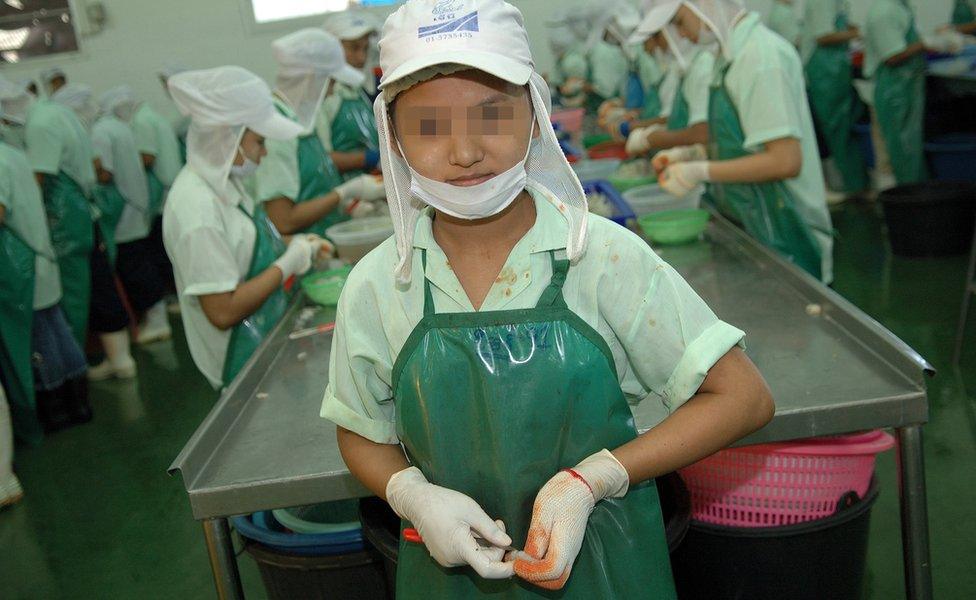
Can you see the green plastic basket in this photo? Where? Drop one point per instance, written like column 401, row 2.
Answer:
column 324, row 287
column 625, row 184
column 674, row 227
column 596, row 139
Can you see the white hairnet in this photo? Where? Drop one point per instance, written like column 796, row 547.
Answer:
column 222, row 103
column 720, row 16
column 171, row 68
column 49, row 75
column 15, row 101
column 307, row 60
column 79, row 98
column 120, row 101
column 501, row 49
column 616, row 18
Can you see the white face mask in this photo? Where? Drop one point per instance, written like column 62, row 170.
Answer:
column 706, row 37
column 245, row 170
column 480, row 201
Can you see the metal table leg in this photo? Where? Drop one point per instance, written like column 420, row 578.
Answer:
column 914, row 515
column 220, row 547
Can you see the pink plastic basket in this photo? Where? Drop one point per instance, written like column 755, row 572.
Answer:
column 781, row 484
column 570, row 120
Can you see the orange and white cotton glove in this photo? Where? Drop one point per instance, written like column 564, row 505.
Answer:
column 639, row 140
column 665, row 158
column 680, row 179
column 562, row 509
column 447, row 520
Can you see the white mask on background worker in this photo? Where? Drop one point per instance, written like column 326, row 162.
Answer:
column 308, row 61
column 223, row 103
column 79, row 98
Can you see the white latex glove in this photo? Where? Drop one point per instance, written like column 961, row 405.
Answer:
column 639, row 141
column 663, row 159
column 562, row 509
column 323, row 247
column 680, row 179
column 363, row 209
column 365, row 188
column 948, row 41
column 297, row 259
column 447, row 520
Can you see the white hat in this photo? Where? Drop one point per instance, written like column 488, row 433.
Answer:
column 314, row 51
column 14, row 101
column 119, row 101
column 350, row 24
column 488, row 35
column 78, row 97
column 48, row 75
column 222, row 103
column 657, row 15
column 426, row 37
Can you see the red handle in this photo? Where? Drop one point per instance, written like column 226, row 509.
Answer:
column 412, row 535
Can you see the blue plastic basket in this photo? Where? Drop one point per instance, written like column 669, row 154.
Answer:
column 622, row 212
column 263, row 528
column 953, row 157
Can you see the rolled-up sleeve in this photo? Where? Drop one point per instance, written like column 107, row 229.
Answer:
column 207, row 262
column 359, row 397
column 671, row 337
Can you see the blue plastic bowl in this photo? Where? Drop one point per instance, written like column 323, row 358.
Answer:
column 263, row 528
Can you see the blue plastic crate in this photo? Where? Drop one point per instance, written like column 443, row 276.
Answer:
column 622, row 211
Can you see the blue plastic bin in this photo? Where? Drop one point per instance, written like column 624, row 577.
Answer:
column 953, row 157
column 622, row 212
column 263, row 528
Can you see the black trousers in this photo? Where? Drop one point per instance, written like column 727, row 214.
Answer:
column 107, row 313
column 139, row 273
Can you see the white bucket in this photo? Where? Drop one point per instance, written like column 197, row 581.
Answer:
column 648, row 199
column 354, row 239
column 593, row 170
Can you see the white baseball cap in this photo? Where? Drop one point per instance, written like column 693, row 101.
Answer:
column 230, row 96
column 314, row 51
column 487, row 35
column 657, row 17
column 350, row 24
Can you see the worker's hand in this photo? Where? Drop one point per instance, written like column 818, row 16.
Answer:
column 447, row 521
column 363, row 209
column 297, row 259
column 948, row 41
column 665, row 158
column 365, row 188
column 323, row 247
column 608, row 106
column 573, row 86
column 616, row 121
column 562, row 509
column 680, row 179
column 639, row 140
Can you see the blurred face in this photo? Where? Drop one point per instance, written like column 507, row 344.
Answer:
column 252, row 146
column 463, row 129
column 689, row 25
column 57, row 83
column 356, row 51
column 655, row 42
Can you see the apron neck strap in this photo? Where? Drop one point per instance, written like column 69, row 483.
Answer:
column 552, row 297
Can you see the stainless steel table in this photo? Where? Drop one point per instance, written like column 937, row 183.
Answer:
column 832, row 370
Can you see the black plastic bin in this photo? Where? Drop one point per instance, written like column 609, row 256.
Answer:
column 381, row 526
column 353, row 576
column 818, row 560
column 930, row 219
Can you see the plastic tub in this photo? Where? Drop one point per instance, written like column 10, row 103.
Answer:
column 264, row 528
column 674, row 227
column 595, row 139
column 930, row 219
column 621, row 212
column 327, row 517
column 570, row 119
column 357, row 575
column 771, row 485
column 592, row 170
column 648, row 199
column 354, row 239
column 808, row 561
column 608, row 150
column 953, row 157
column 324, row 287
column 633, row 174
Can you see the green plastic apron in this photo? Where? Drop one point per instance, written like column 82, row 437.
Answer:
column 156, row 194
column 836, row 108
column 16, row 321
column 899, row 101
column 680, row 111
column 354, row 127
column 318, row 176
column 72, row 234
column 493, row 404
column 110, row 204
column 249, row 333
column 652, row 103
column 962, row 13
column 767, row 211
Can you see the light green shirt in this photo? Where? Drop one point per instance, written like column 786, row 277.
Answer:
column 648, row 70
column 278, row 174
column 696, row 86
column 767, row 86
column 782, row 19
column 25, row 215
column 663, row 337
column 819, row 19
column 57, row 141
column 885, row 32
column 156, row 136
